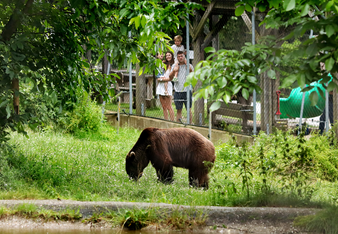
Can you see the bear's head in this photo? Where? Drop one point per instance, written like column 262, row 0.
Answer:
column 136, row 161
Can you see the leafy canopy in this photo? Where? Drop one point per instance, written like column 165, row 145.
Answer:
column 297, row 17
column 44, row 43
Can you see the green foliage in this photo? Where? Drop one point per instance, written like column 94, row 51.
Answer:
column 276, row 170
column 226, row 73
column 231, row 36
column 299, row 17
column 8, row 175
column 44, row 44
column 29, row 210
column 136, row 219
column 296, row 162
column 86, row 116
column 324, row 221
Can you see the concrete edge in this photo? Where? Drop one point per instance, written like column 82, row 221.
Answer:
column 140, row 122
column 215, row 215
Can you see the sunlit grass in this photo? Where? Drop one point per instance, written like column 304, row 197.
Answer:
column 91, row 167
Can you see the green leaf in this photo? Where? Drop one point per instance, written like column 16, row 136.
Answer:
column 3, row 103
column 329, row 5
column 252, row 79
column 301, row 79
column 215, row 106
column 204, row 93
column 54, row 97
column 143, row 21
column 124, row 12
column 305, row 10
column 288, row 81
column 245, row 93
column 85, row 64
column 18, row 57
column 209, row 50
column 262, row 8
column 222, row 82
column 329, row 64
column 137, row 21
column 246, row 62
column 226, row 98
column 8, row 111
column 311, row 50
column 329, row 30
column 307, row 88
column 289, row 5
column 331, row 86
column 272, row 74
column 313, row 98
column 123, row 30
column 240, row 10
column 248, row 8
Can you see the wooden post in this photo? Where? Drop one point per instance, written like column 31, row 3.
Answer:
column 16, row 99
column 198, row 56
column 268, row 87
column 141, row 92
column 215, row 40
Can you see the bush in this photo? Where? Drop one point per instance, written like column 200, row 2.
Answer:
column 8, row 175
column 86, row 116
column 281, row 161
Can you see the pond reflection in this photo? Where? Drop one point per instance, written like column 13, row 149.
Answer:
column 105, row 231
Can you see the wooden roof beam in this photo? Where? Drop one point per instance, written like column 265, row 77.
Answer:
column 205, row 16
column 219, row 25
column 248, row 23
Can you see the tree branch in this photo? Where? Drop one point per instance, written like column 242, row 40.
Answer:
column 15, row 19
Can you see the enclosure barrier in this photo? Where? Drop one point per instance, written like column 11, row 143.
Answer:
column 219, row 28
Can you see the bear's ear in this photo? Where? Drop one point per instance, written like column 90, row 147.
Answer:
column 131, row 156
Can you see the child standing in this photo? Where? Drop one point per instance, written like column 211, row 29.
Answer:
column 177, row 47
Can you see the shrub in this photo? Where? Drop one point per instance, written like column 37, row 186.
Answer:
column 8, row 175
column 86, row 116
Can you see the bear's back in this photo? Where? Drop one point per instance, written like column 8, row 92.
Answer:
column 185, row 147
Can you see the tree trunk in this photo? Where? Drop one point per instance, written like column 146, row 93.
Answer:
column 16, row 100
column 7, row 33
column 141, row 91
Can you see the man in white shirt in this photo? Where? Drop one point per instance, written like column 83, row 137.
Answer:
column 180, row 95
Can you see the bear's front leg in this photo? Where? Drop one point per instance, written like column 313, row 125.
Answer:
column 198, row 178
column 165, row 175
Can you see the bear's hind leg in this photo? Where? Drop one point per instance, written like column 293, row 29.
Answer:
column 165, row 175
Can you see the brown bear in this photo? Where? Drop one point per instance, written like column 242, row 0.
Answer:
column 165, row 148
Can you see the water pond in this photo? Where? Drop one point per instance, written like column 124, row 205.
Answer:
column 95, row 231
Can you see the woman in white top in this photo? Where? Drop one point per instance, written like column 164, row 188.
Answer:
column 165, row 89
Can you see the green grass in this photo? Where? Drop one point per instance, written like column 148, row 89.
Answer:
column 134, row 219
column 32, row 211
column 91, row 167
column 279, row 170
column 325, row 221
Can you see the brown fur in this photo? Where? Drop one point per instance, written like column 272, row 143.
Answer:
column 165, row 148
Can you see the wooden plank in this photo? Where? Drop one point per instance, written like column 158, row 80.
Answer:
column 248, row 23
column 235, row 110
column 205, row 16
column 220, row 4
column 214, row 31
